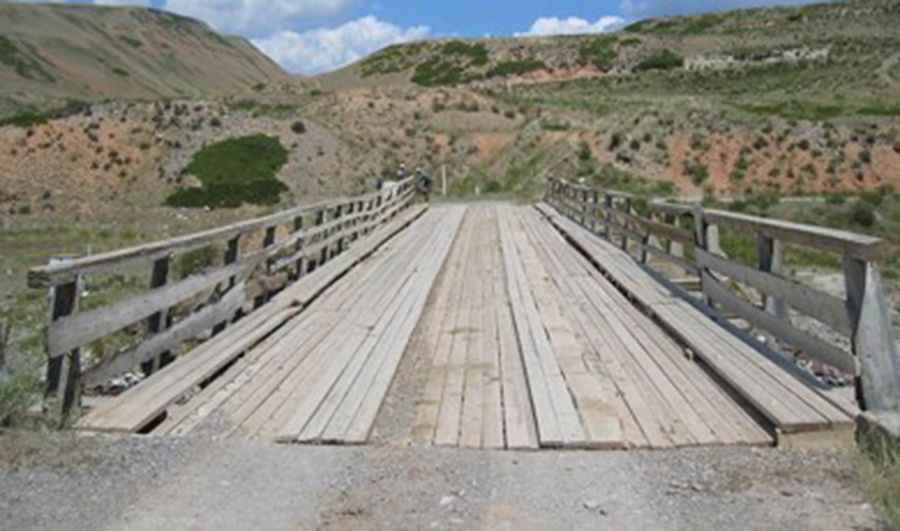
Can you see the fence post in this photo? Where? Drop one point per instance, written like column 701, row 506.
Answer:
column 159, row 321
column 64, row 372
column 700, row 242
column 878, row 386
column 625, row 225
column 595, row 198
column 298, row 247
column 232, row 252
column 607, row 215
column 771, row 259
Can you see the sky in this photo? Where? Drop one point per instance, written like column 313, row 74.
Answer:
column 314, row 36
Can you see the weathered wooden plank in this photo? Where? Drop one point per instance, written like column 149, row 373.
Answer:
column 873, row 337
column 82, row 328
column 60, row 273
column 187, row 329
column 848, row 243
column 814, row 303
column 811, row 346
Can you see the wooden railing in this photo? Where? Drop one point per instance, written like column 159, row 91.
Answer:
column 687, row 237
column 288, row 245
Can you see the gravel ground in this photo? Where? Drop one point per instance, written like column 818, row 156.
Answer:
column 167, row 483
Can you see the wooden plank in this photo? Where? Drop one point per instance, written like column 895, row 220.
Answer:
column 448, row 428
column 186, row 329
column 814, row 303
column 152, row 397
column 492, row 427
column 332, row 420
column 643, row 387
column 367, row 409
column 290, row 408
column 847, row 243
column 546, row 423
column 444, row 317
column 811, row 346
column 60, row 273
column 85, row 327
column 567, row 421
column 471, row 425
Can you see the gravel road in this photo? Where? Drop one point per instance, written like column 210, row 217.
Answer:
column 164, row 483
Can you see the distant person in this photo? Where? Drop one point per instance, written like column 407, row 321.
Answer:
column 424, row 183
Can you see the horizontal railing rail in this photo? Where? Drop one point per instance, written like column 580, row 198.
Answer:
column 260, row 257
column 687, row 236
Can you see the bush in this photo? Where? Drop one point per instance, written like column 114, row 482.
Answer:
column 863, row 214
column 599, row 51
column 233, row 172
column 516, row 68
column 298, row 127
column 664, row 60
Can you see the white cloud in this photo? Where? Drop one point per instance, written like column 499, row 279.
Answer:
column 254, row 17
column 572, row 26
column 325, row 49
column 656, row 8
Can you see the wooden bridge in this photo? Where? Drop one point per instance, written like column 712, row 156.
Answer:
column 591, row 320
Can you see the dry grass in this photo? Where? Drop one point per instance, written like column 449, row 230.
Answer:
column 879, row 475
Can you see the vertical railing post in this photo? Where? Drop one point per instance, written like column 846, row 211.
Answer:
column 700, row 242
column 64, row 372
column 874, row 344
column 625, row 224
column 298, row 247
column 323, row 256
column 232, row 253
column 159, row 321
column 595, row 198
column 607, row 215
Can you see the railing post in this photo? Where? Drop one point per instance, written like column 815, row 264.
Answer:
column 595, row 198
column 232, row 252
column 625, row 225
column 673, row 247
column 700, row 242
column 874, row 344
column 298, row 247
column 771, row 260
column 607, row 215
column 159, row 321
column 64, row 372
column 324, row 236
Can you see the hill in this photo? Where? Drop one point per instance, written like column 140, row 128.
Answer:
column 93, row 52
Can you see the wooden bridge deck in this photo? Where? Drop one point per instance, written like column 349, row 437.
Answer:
column 538, row 335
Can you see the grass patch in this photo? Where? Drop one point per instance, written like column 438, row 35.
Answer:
column 796, row 110
column 600, row 52
column 516, row 68
column 25, row 66
column 664, row 60
column 610, row 177
column 878, row 469
column 234, row 172
column 31, row 118
column 131, row 41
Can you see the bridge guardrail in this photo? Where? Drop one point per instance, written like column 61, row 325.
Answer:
column 687, row 236
column 293, row 242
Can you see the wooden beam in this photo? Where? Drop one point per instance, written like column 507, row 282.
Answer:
column 873, row 337
column 813, row 347
column 817, row 304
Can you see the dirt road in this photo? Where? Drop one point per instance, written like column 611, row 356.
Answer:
column 159, row 483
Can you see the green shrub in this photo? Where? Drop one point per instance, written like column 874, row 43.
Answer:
column 863, row 214
column 121, row 72
column 664, row 60
column 516, row 68
column 233, row 172
column 134, row 43
column 25, row 66
column 599, row 51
